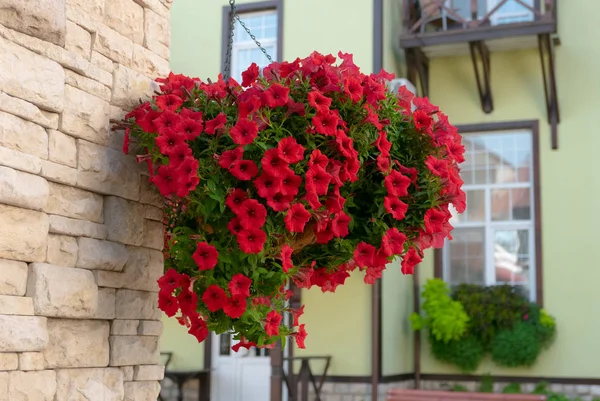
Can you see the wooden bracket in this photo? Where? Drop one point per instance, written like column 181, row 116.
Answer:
column 546, row 46
column 418, row 70
column 480, row 55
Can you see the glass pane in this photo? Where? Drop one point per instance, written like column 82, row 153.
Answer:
column 224, row 344
column 512, row 256
column 475, row 207
column 466, row 254
column 501, row 204
column 521, row 203
column 511, row 12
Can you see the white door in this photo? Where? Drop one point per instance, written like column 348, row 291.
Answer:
column 239, row 376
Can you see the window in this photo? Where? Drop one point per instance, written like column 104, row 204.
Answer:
column 509, row 13
column 495, row 239
column 264, row 25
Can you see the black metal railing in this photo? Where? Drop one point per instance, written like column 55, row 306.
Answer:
column 299, row 384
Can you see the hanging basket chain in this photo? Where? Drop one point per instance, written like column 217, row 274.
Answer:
column 235, row 17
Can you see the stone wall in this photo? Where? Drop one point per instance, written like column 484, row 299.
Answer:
column 80, row 230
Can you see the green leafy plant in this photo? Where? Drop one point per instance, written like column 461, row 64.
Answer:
column 513, row 388
column 444, row 318
column 466, row 353
column 518, row 346
column 459, row 388
column 487, row 384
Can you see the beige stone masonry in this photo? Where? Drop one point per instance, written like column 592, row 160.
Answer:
column 13, row 129
column 136, row 350
column 90, row 384
column 31, row 361
column 62, row 149
column 59, row 173
column 148, row 372
column 78, row 40
column 137, row 305
column 24, row 234
column 20, row 161
column 75, row 227
column 32, row 386
column 28, row 111
column 13, row 277
column 44, row 19
column 9, row 361
column 23, row 333
column 127, row 373
column 107, row 308
column 11, row 305
column 75, row 203
column 101, row 255
column 77, row 343
column 140, row 272
column 141, row 391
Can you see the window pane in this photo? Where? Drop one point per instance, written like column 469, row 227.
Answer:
column 224, row 344
column 466, row 253
column 521, row 203
column 501, row 204
column 475, row 207
column 512, row 257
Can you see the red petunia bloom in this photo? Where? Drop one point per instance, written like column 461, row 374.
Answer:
column 435, row 220
column 273, row 164
column 211, row 127
column 364, row 254
column 353, row 89
column 339, row 224
column 229, row 157
column 242, row 344
column 296, row 313
column 290, row 150
column 189, row 113
column 239, row 285
column 247, row 107
column 383, row 164
column 325, row 123
column 190, row 128
column 280, row 202
column 286, row 257
column 318, row 101
column 179, row 153
column 276, row 95
column 437, row 167
column 188, row 301
column 317, row 158
column 252, row 214
column 235, row 306
column 167, row 140
column 397, row 184
column 267, row 185
column 300, row 336
column 167, row 303
column 393, row 241
column 252, row 240
column 206, row 256
column 214, row 297
column 319, row 179
column 295, row 107
column 170, row 281
column 410, row 260
column 244, row 170
column 383, row 144
column 168, row 102
column 249, row 76
column 188, row 167
column 166, row 119
column 235, row 199
column 234, row 226
column 290, row 183
column 395, row 207
column 272, row 323
column 244, row 132
column 423, row 122
column 198, row 329
column 167, row 180
column 296, row 218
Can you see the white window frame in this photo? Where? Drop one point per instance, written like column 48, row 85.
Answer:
column 490, row 226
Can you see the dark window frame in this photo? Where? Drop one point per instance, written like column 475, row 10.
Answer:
column 533, row 126
column 276, row 5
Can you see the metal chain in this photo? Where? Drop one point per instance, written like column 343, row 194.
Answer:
column 235, row 17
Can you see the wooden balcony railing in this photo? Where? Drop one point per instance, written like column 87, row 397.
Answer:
column 305, row 378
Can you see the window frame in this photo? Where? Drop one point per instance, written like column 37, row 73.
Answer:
column 533, row 127
column 272, row 5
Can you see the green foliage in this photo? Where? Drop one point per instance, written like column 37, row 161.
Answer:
column 487, row 384
column 459, row 388
column 513, row 388
column 518, row 346
column 466, row 352
column 445, row 318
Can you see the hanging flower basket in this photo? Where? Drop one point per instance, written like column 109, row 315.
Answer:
column 302, row 175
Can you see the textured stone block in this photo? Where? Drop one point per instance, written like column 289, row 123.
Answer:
column 141, row 391
column 44, row 19
column 93, row 8
column 150, row 195
column 88, row 85
column 101, row 61
column 23, row 189
column 106, row 304
column 156, row 28
column 142, row 268
column 76, row 228
column 77, row 343
column 78, row 40
column 85, row 116
column 62, row 250
column 125, row 17
column 149, row 63
column 107, row 171
column 158, row 48
column 127, row 373
column 101, row 255
column 11, row 305
column 32, row 386
column 129, row 86
column 28, row 111
column 4, row 386
column 148, row 372
column 31, row 77
column 124, row 327
column 77, row 203
column 20, row 135
column 133, row 350
column 150, row 328
column 62, row 148
column 155, row 5
column 31, row 361
column 124, row 220
column 13, row 277
column 23, row 333
column 137, row 305
column 20, row 161
column 113, row 45
column 154, row 213
column 9, row 361
column 62, row 291
column 89, row 384
column 59, row 173
column 24, row 234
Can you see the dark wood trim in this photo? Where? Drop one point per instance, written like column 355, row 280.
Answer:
column 348, row 379
column 417, row 333
column 205, row 384
column 376, row 336
column 514, row 379
column 485, row 33
column 532, row 125
column 248, row 8
column 377, row 35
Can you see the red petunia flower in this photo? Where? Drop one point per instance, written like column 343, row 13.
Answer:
column 168, row 139
column 239, row 285
column 383, row 144
column 244, row 170
column 364, row 254
column 296, row 313
column 290, row 150
column 166, row 119
column 383, row 164
column 190, row 128
column 353, row 89
column 290, row 183
column 435, row 220
column 319, row 179
column 296, row 218
column 170, row 281
column 393, row 242
column 395, row 207
column 235, row 306
column 206, row 256
column 437, row 167
column 267, row 185
column 234, row 226
column 397, row 184
column 295, row 107
column 188, row 301
column 167, row 303
column 189, row 113
column 167, row 180
column 325, row 123
column 198, row 329
column 249, row 76
column 286, row 257
column 214, row 297
column 272, row 323
column 179, row 153
column 168, row 102
column 242, row 344
column 274, row 165
column 235, row 199
column 318, row 101
column 280, row 202
column 410, row 260
column 247, row 107
column 229, row 157
column 423, row 122
column 211, row 127
column 276, row 95
column 252, row 214
column 339, row 224
column 244, row 132
column 252, row 240
column 300, row 336
column 325, row 234
column 317, row 158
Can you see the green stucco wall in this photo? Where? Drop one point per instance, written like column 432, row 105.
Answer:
column 187, row 353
